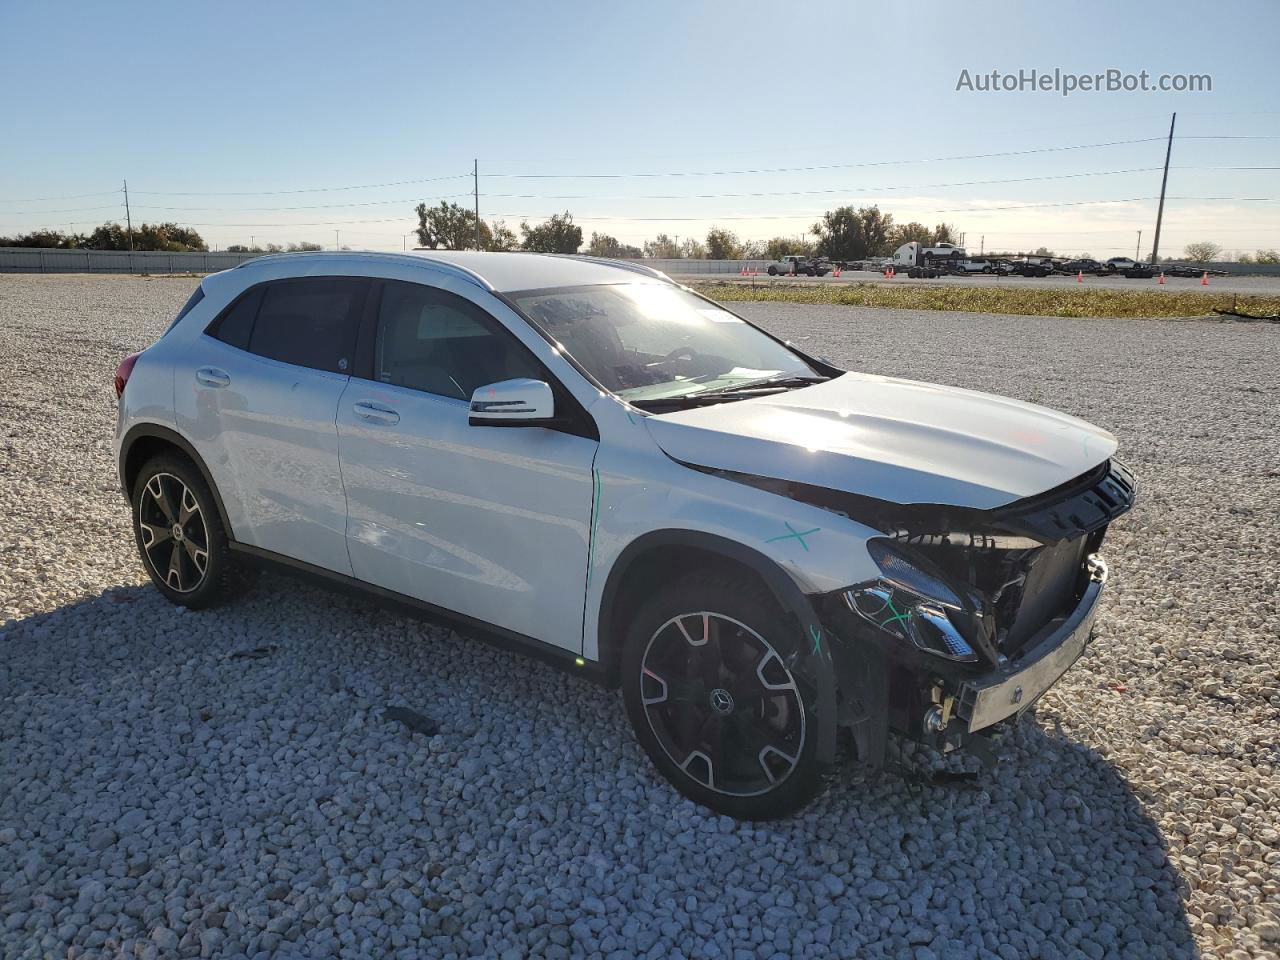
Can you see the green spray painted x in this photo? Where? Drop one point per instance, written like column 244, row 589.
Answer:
column 796, row 534
column 815, row 633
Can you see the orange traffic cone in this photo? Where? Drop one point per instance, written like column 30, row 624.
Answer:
column 837, row 272
column 1161, row 281
column 1204, row 279
column 1079, row 276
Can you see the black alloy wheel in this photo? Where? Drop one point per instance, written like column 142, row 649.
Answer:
column 714, row 701
column 172, row 533
column 180, row 535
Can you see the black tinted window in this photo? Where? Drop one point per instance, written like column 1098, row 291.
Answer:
column 309, row 321
column 435, row 341
column 236, row 323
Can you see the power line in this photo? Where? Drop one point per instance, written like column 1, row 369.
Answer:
column 317, row 206
column 716, row 218
column 65, row 196
column 828, row 166
column 664, row 196
column 831, row 190
column 264, row 193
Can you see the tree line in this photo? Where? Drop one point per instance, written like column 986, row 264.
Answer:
column 845, row 233
column 168, row 237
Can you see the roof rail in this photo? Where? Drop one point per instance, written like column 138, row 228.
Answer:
column 442, row 266
column 620, row 264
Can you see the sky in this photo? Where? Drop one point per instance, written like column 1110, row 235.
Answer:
column 328, row 122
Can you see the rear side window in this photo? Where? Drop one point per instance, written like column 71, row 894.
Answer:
column 236, row 323
column 310, row 322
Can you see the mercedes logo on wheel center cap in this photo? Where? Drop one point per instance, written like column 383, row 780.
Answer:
column 177, row 531
column 721, row 700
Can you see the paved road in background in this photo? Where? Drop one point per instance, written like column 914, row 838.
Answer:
column 1261, row 286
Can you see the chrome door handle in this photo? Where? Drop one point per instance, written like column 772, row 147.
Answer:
column 375, row 412
column 213, row 377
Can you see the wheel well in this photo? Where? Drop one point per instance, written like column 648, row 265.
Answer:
column 645, row 574
column 158, row 440
column 142, row 450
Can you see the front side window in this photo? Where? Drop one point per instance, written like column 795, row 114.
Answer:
column 655, row 341
column 310, row 321
column 440, row 343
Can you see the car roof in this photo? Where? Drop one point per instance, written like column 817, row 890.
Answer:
column 502, row 272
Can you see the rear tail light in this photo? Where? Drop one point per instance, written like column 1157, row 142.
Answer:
column 123, row 371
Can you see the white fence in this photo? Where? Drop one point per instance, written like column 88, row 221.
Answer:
column 39, row 260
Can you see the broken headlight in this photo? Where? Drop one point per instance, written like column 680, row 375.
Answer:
column 910, row 603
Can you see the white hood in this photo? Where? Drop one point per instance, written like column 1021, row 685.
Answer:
column 896, row 440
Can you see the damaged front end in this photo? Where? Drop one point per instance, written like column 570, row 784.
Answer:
column 975, row 613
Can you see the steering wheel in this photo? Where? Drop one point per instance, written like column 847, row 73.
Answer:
column 688, row 354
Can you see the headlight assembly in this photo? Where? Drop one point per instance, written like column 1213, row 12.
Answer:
column 910, row 603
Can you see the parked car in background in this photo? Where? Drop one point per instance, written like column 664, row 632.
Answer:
column 797, row 265
column 1120, row 264
column 1081, row 265
column 1028, row 267
column 580, row 459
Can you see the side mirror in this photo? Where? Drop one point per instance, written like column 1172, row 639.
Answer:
column 513, row 403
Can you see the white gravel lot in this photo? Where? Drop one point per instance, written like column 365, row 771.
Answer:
column 161, row 796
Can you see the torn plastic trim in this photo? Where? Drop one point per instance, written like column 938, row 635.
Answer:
column 1073, row 509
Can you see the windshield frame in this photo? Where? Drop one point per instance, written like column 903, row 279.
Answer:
column 511, row 299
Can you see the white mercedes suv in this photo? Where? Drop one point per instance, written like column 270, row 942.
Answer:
column 585, row 460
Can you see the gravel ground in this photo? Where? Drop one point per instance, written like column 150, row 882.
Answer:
column 224, row 784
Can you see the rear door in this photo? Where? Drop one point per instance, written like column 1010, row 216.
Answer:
column 490, row 522
column 260, row 401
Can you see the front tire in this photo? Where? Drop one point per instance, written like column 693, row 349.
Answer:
column 773, row 271
column 713, row 702
column 180, row 536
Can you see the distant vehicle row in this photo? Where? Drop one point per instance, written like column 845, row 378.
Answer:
column 921, row 261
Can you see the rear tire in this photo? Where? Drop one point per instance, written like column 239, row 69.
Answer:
column 712, row 701
column 180, row 536
column 773, row 271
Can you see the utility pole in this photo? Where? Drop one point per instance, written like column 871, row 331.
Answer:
column 127, row 217
column 982, row 245
column 251, row 242
column 1155, row 246
column 336, row 245
column 475, row 179
column 1137, row 254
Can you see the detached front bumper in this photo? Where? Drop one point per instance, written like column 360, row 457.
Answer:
column 1015, row 686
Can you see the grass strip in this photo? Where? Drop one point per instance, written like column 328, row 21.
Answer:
column 1046, row 302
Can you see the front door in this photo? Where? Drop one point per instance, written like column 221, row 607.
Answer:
column 490, row 522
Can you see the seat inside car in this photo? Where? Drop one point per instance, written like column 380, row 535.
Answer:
column 442, row 350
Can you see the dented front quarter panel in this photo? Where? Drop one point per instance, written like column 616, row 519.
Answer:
column 641, row 491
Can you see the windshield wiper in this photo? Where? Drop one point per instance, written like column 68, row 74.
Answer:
column 682, row 400
column 768, row 383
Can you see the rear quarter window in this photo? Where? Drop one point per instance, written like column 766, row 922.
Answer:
column 196, row 296
column 235, row 324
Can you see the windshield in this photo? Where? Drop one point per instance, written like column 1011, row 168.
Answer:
column 646, row 341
